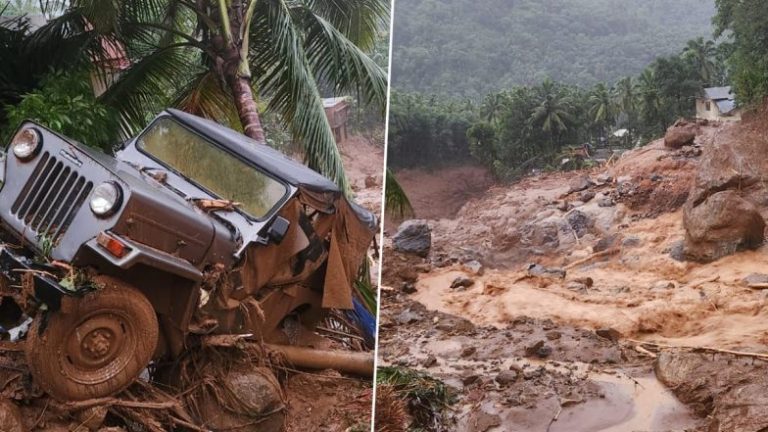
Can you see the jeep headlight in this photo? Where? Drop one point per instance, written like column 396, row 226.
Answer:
column 26, row 144
column 106, row 199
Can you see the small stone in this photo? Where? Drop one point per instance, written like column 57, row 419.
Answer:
column 664, row 285
column 586, row 196
column 408, row 288
column 408, row 317
column 506, row 377
column 541, row 271
column 470, row 379
column 755, row 280
column 462, row 282
column 604, row 178
column 474, row 267
column 631, row 242
column 429, row 361
column 580, row 184
column 656, row 178
column 539, row 349
column 611, row 334
column 468, row 351
column 624, row 179
column 530, row 374
column 605, row 202
column 371, row 181
column 563, row 205
column 554, row 335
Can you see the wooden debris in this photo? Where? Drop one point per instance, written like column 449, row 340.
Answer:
column 604, row 253
column 216, row 205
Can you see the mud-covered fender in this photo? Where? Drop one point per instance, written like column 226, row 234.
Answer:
column 148, row 256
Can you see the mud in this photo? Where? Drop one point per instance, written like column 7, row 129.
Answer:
column 616, row 344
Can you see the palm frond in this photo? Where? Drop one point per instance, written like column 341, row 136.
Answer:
column 396, row 201
column 336, row 59
column 143, row 88
column 357, row 20
column 205, row 97
column 282, row 70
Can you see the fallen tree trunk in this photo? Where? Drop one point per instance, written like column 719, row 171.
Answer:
column 356, row 363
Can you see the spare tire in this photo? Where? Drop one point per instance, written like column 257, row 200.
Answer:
column 97, row 346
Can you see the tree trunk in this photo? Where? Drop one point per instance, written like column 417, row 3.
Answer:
column 246, row 106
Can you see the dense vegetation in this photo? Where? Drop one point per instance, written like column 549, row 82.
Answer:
column 470, row 48
column 744, row 24
column 542, row 125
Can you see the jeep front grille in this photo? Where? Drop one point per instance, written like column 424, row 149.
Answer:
column 50, row 198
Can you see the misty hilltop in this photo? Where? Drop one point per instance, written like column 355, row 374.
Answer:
column 470, row 48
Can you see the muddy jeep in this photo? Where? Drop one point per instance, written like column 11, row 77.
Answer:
column 191, row 229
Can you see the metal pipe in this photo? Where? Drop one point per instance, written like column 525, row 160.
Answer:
column 356, row 363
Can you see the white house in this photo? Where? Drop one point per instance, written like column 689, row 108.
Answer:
column 718, row 103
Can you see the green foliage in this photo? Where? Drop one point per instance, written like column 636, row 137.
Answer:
column 428, row 398
column 427, row 130
column 542, row 126
column 396, row 201
column 745, row 24
column 65, row 103
column 466, row 48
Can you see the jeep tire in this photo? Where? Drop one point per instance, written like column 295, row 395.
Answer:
column 95, row 346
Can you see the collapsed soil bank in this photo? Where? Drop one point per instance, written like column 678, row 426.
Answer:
column 617, row 236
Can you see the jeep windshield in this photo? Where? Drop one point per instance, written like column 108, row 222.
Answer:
column 221, row 173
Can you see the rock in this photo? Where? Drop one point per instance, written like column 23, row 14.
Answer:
column 580, row 184
column 656, row 178
column 664, row 285
column 474, row 267
column 563, row 205
column 10, row 417
column 611, row 334
column 544, row 233
column 408, row 288
column 631, row 242
column 468, row 351
column 371, row 181
column 606, row 202
column 413, row 236
column 607, row 242
column 577, row 286
column 586, row 281
column 579, row 222
column 624, row 179
column 257, row 389
column 756, row 280
column 470, row 379
column 541, row 271
column 677, row 251
column 408, row 317
column 506, row 377
column 680, row 134
column 604, row 178
column 553, row 335
column 531, row 373
column 586, row 196
column 429, row 361
column 721, row 225
column 462, row 282
column 539, row 349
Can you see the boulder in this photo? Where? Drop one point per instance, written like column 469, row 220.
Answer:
column 680, row 134
column 462, row 282
column 413, row 236
column 474, row 267
column 580, row 184
column 579, row 222
column 722, row 224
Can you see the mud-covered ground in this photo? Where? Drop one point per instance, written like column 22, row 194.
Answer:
column 610, row 330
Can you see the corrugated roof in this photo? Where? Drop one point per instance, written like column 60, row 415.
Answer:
column 329, row 102
column 719, row 93
column 726, row 106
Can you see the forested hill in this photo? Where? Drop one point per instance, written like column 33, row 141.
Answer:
column 472, row 47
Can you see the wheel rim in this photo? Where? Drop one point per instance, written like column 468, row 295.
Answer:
column 98, row 348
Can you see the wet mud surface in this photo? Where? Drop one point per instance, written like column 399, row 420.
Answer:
column 583, row 316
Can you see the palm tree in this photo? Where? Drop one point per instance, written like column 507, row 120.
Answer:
column 600, row 107
column 491, row 107
column 553, row 114
column 650, row 97
column 396, row 202
column 703, row 54
column 626, row 99
column 217, row 57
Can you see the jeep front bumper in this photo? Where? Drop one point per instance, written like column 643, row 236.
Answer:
column 44, row 289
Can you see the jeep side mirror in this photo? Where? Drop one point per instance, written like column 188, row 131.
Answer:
column 277, row 229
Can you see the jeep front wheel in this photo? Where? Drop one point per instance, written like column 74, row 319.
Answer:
column 96, row 347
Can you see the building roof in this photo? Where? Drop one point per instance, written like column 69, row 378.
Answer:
column 719, row 93
column 726, row 106
column 32, row 21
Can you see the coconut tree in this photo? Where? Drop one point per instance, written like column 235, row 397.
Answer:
column 229, row 59
column 626, row 99
column 703, row 54
column 650, row 98
column 601, row 109
column 553, row 114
